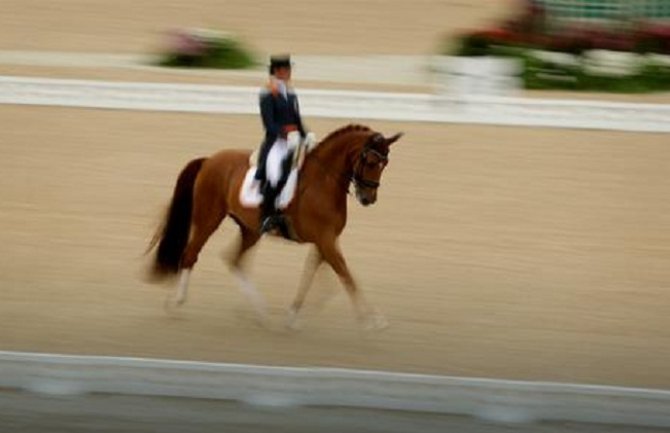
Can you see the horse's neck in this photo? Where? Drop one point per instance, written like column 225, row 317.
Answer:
column 335, row 157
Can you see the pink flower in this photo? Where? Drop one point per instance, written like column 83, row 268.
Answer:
column 186, row 44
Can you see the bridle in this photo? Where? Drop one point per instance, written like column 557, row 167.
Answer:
column 357, row 177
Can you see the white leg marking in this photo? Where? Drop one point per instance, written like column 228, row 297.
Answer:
column 368, row 316
column 292, row 319
column 252, row 294
column 182, row 289
column 177, row 298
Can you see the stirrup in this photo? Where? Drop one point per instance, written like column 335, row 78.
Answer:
column 269, row 223
column 279, row 225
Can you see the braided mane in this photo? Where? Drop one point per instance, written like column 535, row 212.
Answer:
column 346, row 129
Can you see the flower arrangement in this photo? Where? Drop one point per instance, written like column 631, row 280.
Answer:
column 202, row 48
column 630, row 57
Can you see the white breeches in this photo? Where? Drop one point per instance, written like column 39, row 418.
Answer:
column 277, row 153
column 279, row 150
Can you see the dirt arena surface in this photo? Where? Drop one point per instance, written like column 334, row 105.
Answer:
column 222, row 78
column 299, row 26
column 516, row 253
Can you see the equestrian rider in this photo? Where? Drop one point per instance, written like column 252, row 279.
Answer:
column 284, row 130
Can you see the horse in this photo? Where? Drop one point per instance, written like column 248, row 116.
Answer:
column 207, row 190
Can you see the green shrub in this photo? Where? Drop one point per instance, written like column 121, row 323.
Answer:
column 206, row 49
column 543, row 75
column 539, row 75
column 473, row 46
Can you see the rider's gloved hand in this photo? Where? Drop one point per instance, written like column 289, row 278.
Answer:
column 293, row 140
column 310, row 141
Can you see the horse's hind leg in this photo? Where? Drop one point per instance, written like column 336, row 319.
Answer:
column 331, row 253
column 314, row 260
column 248, row 240
column 204, row 222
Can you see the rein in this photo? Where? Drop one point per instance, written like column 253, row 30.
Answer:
column 357, row 176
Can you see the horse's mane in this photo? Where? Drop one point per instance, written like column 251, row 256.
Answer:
column 346, row 129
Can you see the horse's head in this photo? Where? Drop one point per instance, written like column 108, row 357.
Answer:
column 369, row 166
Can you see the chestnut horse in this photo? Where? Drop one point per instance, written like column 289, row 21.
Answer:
column 207, row 191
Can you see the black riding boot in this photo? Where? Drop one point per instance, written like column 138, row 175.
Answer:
column 271, row 218
column 269, row 215
column 262, row 160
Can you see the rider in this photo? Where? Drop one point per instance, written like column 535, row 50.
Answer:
column 283, row 127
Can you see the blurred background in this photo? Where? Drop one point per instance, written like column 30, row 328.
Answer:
column 513, row 252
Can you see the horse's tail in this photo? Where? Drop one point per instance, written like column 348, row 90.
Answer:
column 172, row 236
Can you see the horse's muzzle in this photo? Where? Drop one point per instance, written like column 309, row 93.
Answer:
column 366, row 199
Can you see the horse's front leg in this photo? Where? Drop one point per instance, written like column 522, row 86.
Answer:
column 179, row 297
column 248, row 240
column 366, row 314
column 314, row 260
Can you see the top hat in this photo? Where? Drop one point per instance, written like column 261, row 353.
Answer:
column 280, row 61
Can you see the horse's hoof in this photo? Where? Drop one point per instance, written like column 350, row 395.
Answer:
column 172, row 303
column 292, row 322
column 263, row 320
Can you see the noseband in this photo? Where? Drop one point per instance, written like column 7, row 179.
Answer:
column 358, row 178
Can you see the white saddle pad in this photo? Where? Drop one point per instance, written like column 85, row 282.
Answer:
column 251, row 197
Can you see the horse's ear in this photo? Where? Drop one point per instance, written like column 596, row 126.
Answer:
column 390, row 141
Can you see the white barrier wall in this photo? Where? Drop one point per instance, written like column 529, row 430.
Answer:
column 340, row 104
column 465, row 77
column 496, row 400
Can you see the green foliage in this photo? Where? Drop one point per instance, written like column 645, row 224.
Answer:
column 473, row 46
column 540, row 74
column 207, row 51
column 657, row 77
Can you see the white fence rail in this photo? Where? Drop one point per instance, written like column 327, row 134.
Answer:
column 339, row 104
column 497, row 400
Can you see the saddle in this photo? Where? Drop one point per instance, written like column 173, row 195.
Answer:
column 251, row 195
